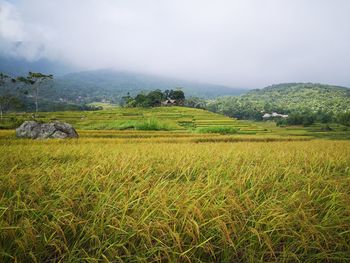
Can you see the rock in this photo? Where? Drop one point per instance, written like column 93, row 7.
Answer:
column 36, row 130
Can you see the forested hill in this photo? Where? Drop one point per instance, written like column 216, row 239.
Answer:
column 71, row 85
column 303, row 96
column 112, row 85
column 285, row 98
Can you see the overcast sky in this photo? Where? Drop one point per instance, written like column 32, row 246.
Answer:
column 240, row 43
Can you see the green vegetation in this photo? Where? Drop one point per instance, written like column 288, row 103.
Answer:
column 218, row 129
column 344, row 118
column 36, row 81
column 82, row 88
column 175, row 119
column 314, row 101
column 154, row 98
column 22, row 94
column 7, row 100
column 175, row 184
column 112, row 85
column 146, row 125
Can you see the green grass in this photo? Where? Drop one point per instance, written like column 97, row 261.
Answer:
column 218, row 129
column 175, row 119
column 147, row 124
column 104, row 105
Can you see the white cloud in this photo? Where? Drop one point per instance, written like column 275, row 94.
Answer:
column 20, row 38
column 250, row 43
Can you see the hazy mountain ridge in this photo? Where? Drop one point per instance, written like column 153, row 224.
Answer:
column 297, row 86
column 112, row 85
column 19, row 66
column 105, row 84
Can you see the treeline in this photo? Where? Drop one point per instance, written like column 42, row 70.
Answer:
column 309, row 118
column 154, row 98
column 305, row 118
column 24, row 93
column 240, row 108
column 247, row 110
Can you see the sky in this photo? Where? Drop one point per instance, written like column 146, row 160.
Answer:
column 238, row 43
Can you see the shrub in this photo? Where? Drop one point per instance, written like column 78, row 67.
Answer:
column 152, row 125
column 146, row 125
column 344, row 118
column 218, row 129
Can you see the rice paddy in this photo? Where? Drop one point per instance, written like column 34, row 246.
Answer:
column 174, row 195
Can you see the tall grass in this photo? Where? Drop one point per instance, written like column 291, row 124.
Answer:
column 151, row 124
column 102, row 200
column 218, row 129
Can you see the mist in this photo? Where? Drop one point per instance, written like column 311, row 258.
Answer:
column 244, row 43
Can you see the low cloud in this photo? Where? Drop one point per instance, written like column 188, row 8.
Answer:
column 243, row 43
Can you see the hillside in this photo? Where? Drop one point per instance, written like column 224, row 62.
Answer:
column 310, row 96
column 162, row 118
column 179, row 122
column 104, row 84
column 285, row 98
column 112, row 85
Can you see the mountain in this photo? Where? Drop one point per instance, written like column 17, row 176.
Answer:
column 19, row 66
column 285, row 98
column 104, row 84
column 112, row 85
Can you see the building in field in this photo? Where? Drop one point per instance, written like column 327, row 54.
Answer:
column 169, row 102
column 267, row 116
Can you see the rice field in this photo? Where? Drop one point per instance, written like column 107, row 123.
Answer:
column 174, row 196
column 166, row 118
column 175, row 119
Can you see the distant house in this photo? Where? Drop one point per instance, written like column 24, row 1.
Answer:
column 274, row 115
column 266, row 116
column 169, row 102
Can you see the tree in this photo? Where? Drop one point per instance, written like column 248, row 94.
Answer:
column 5, row 78
column 6, row 99
column 344, row 118
column 308, row 119
column 178, row 95
column 300, row 118
column 166, row 94
column 126, row 100
column 155, row 97
column 7, row 102
column 36, row 81
column 195, row 102
column 324, row 117
column 141, row 100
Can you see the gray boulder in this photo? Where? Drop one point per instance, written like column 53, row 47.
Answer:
column 36, row 130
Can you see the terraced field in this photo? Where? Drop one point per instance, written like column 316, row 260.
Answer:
column 182, row 122
column 175, row 185
column 170, row 118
